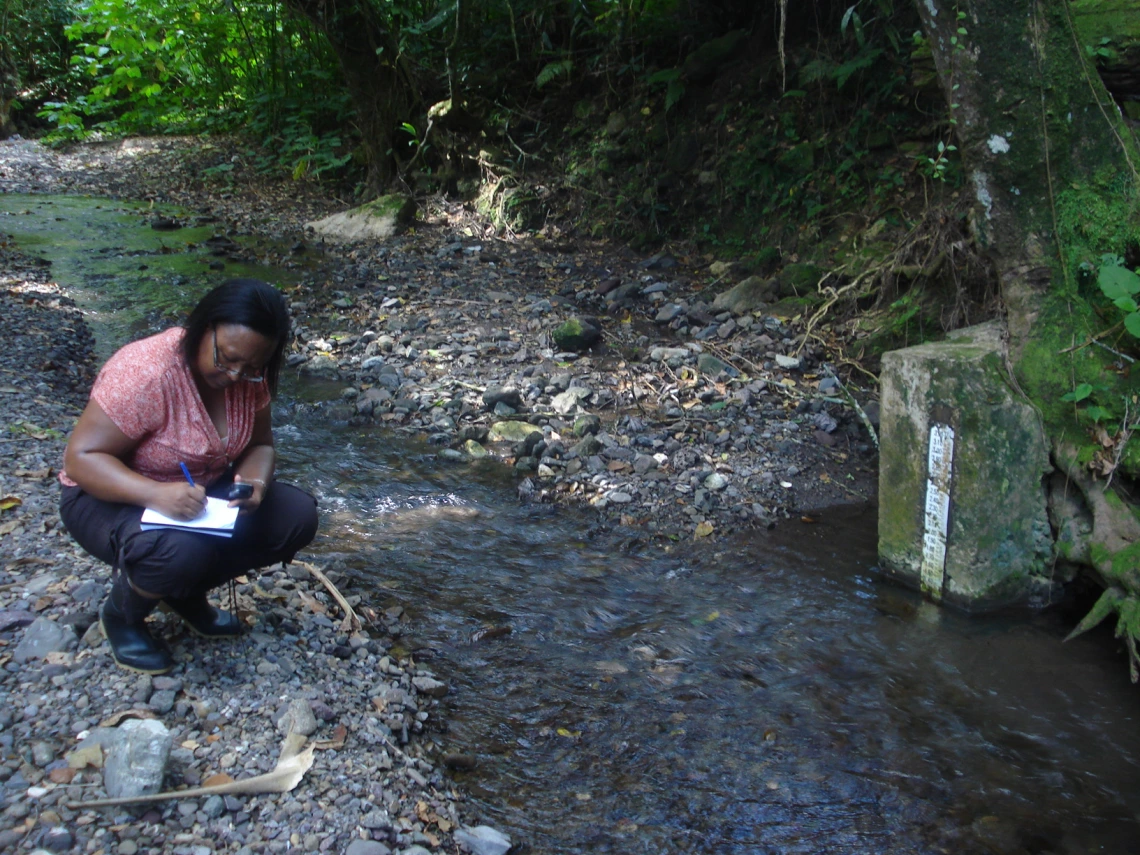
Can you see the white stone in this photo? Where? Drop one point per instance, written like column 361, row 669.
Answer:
column 484, row 840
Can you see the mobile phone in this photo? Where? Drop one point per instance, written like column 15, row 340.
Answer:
column 241, row 490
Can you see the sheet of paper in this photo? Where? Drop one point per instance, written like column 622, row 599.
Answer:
column 217, row 519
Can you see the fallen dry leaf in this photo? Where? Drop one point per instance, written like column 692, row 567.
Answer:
column 27, row 559
column 215, row 780
column 115, row 719
column 337, row 741
column 38, row 474
column 290, row 769
column 62, row 776
column 91, row 755
column 314, row 605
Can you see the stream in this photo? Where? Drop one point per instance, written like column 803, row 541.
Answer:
column 768, row 693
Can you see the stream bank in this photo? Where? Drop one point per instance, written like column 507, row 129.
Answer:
column 227, row 706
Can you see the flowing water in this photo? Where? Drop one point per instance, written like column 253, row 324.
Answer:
column 767, row 694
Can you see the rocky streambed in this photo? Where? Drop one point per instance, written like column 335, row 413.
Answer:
column 679, row 422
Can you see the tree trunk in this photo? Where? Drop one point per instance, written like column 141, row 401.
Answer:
column 381, row 90
column 1033, row 122
column 1053, row 172
column 9, row 87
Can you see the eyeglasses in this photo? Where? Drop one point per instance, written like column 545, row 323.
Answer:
column 230, row 372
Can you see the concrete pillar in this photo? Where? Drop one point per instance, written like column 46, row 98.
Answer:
column 962, row 499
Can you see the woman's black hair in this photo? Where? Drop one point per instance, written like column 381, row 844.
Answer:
column 249, row 303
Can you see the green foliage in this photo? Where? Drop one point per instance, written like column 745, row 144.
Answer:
column 139, row 59
column 154, row 66
column 938, row 167
column 674, row 87
column 1102, row 50
column 1121, row 285
column 33, row 46
column 554, row 71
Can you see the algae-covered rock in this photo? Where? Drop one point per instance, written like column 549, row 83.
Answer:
column 511, row 431
column 984, row 492
column 746, row 296
column 577, row 334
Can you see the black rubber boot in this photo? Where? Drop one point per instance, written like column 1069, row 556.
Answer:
column 203, row 618
column 123, row 618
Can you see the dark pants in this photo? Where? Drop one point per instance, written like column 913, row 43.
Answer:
column 179, row 564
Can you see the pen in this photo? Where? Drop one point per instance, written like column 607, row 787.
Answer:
column 186, row 472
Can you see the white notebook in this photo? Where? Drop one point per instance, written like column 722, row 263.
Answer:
column 218, row 519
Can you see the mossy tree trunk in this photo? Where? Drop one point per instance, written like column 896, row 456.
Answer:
column 1053, row 172
column 382, row 90
column 1033, row 122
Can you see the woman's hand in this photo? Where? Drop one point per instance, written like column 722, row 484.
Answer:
column 180, row 501
column 248, row 506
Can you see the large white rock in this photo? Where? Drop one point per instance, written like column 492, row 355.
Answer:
column 136, row 756
column 378, row 219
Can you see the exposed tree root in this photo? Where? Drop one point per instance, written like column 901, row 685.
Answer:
column 1111, row 546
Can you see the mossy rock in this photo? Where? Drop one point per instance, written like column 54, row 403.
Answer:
column 577, row 334
column 800, row 279
column 703, row 63
column 378, row 219
column 747, row 296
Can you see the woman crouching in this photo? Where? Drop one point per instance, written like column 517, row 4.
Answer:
column 172, row 419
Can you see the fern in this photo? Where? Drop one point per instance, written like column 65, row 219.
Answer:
column 552, row 71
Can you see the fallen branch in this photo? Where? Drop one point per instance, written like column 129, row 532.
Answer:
column 351, row 622
column 851, row 402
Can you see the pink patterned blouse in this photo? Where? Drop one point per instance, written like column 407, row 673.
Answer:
column 147, row 390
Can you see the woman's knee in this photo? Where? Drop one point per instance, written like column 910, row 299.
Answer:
column 168, row 563
column 294, row 515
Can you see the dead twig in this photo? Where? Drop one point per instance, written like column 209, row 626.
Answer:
column 351, row 622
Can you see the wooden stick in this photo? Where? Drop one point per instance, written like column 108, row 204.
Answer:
column 351, row 622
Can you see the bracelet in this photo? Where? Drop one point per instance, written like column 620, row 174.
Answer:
column 253, row 481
